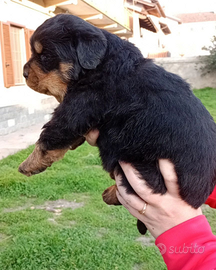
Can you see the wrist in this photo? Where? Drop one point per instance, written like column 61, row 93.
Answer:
column 157, row 228
column 180, row 243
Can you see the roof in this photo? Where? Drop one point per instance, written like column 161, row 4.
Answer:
column 148, row 10
column 197, row 17
column 151, row 7
column 148, row 24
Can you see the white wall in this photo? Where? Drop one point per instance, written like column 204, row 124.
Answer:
column 20, row 14
column 31, row 19
column 189, row 38
column 185, row 39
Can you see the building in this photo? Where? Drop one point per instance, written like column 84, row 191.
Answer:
column 195, row 32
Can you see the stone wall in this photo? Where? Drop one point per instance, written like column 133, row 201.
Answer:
column 15, row 117
column 189, row 69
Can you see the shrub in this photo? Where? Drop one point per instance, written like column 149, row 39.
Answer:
column 209, row 61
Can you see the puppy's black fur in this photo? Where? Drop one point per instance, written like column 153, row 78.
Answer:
column 143, row 112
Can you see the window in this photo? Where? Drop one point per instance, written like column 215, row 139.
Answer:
column 18, row 51
column 15, row 52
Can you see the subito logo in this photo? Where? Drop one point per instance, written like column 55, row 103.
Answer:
column 162, row 248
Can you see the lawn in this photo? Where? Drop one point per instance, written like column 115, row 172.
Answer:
column 208, row 98
column 37, row 231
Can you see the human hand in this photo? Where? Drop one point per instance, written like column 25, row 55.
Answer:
column 163, row 212
column 92, row 136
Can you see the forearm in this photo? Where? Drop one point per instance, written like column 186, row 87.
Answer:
column 190, row 245
column 66, row 130
column 71, row 121
column 53, row 138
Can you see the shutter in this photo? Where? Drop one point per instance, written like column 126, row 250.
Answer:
column 6, row 54
column 28, row 34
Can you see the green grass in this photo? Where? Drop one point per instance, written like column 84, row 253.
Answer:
column 208, row 98
column 95, row 236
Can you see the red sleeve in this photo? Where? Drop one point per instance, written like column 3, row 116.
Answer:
column 211, row 201
column 190, row 245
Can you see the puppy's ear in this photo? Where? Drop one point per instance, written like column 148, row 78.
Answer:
column 91, row 49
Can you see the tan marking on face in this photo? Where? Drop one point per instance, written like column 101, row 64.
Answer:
column 64, row 69
column 38, row 47
column 46, row 83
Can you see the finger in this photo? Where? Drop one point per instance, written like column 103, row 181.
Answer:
column 92, row 137
column 125, row 204
column 131, row 199
column 122, row 201
column 167, row 169
column 138, row 184
column 132, row 210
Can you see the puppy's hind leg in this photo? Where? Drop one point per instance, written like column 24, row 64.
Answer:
column 110, row 198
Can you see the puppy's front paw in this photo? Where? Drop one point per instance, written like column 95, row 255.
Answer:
column 109, row 196
column 27, row 170
column 39, row 160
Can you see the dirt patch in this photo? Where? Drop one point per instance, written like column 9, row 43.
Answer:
column 139, row 266
column 57, row 206
column 146, row 240
column 64, row 224
column 53, row 221
column 51, row 206
column 101, row 232
column 19, row 208
column 4, row 237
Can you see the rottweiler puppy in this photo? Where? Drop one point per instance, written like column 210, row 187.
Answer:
column 143, row 112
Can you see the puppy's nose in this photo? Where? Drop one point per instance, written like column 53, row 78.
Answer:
column 26, row 71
